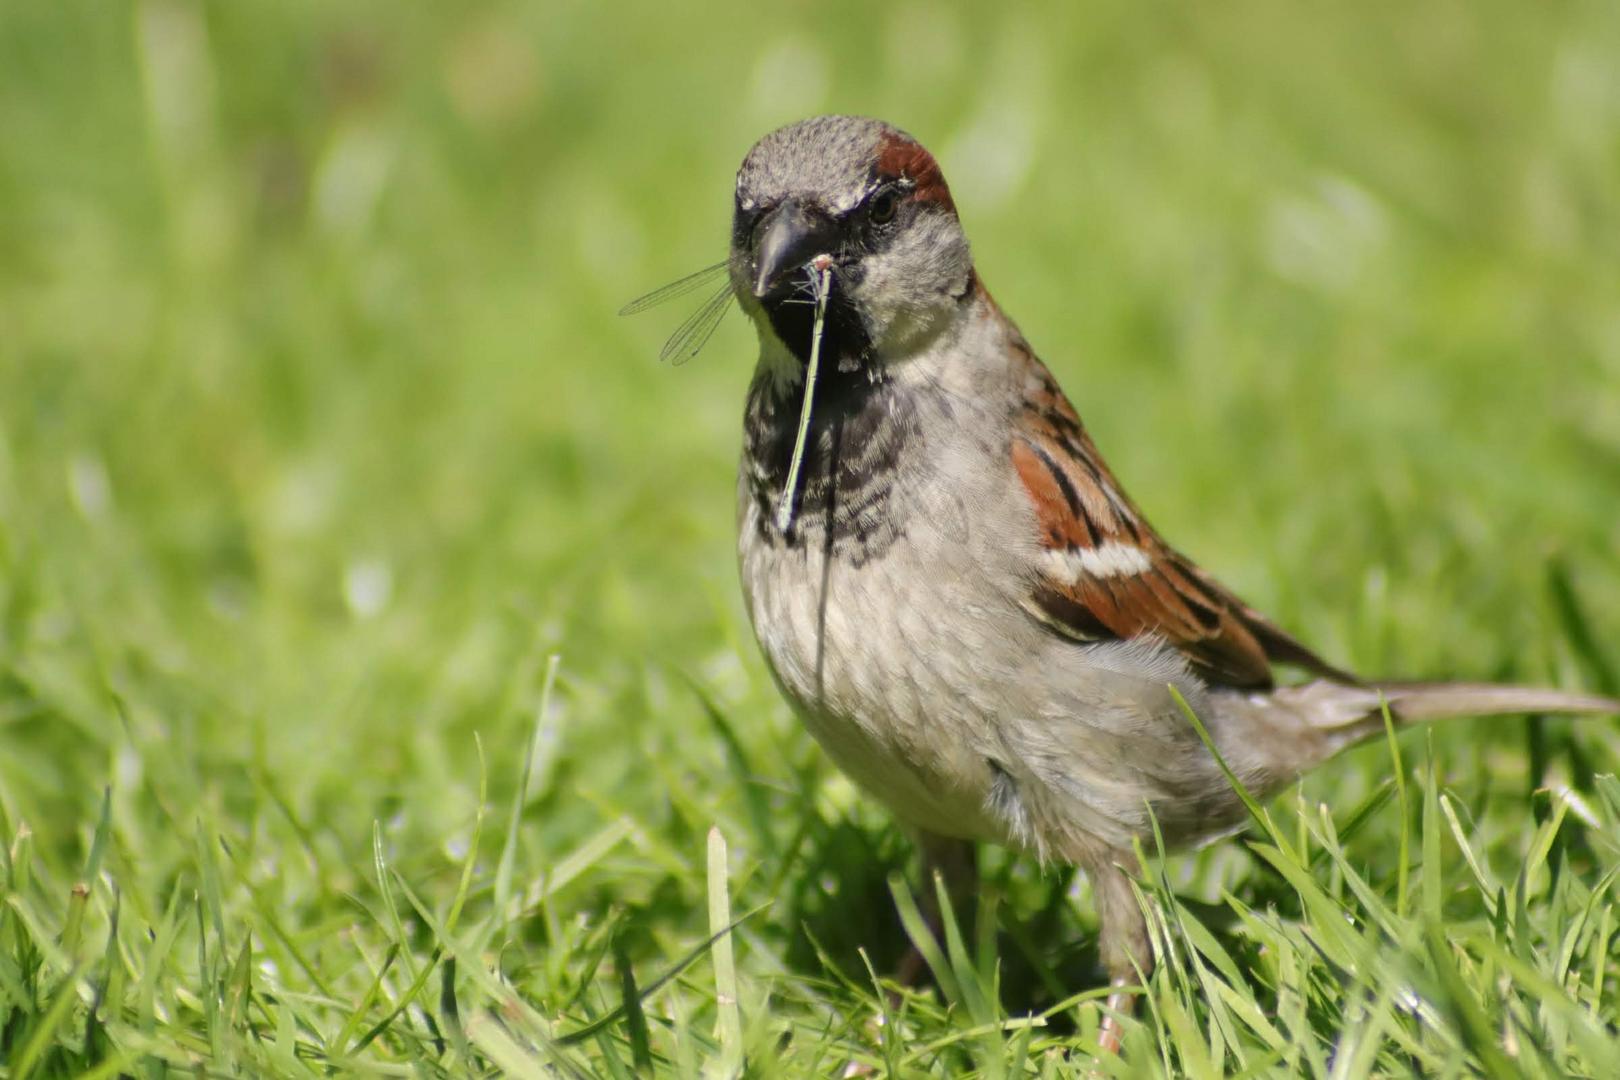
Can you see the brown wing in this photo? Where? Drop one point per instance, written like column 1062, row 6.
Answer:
column 1105, row 574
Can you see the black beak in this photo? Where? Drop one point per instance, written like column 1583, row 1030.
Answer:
column 788, row 238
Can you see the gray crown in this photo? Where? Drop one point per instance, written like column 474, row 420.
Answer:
column 828, row 158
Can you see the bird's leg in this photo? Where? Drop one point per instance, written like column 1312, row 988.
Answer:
column 1122, row 942
column 956, row 863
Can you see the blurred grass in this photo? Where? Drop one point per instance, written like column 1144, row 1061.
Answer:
column 318, row 437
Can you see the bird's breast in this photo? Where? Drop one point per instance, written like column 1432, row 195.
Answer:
column 859, row 605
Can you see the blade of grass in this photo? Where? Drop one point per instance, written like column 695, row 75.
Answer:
column 340, row 1044
column 729, row 1019
column 508, row 860
column 405, row 1002
column 79, row 898
column 450, row 1013
column 386, row 891
column 635, row 1020
column 1398, row 771
column 471, row 858
column 742, row 769
column 922, row 938
column 1432, row 884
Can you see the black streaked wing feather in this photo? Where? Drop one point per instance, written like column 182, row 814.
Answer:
column 1080, row 509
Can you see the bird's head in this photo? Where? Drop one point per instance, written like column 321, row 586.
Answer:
column 872, row 199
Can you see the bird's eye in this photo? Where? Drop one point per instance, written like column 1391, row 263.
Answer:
column 880, row 210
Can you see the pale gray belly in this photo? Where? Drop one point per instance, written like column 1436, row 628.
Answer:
column 895, row 694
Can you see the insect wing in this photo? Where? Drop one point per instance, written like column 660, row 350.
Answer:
column 681, row 287
column 690, row 337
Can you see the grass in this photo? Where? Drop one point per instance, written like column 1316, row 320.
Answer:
column 375, row 697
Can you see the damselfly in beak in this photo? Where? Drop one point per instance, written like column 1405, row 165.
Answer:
column 820, row 270
column 690, row 337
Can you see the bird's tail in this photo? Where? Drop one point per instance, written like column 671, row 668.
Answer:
column 1420, row 701
column 1340, row 715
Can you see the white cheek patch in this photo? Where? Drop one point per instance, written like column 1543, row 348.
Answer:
column 1108, row 560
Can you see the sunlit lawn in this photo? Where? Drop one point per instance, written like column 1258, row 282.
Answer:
column 372, row 668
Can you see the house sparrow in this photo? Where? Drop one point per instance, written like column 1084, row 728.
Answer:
column 965, row 608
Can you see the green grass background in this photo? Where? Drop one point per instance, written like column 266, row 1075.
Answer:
column 319, row 438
